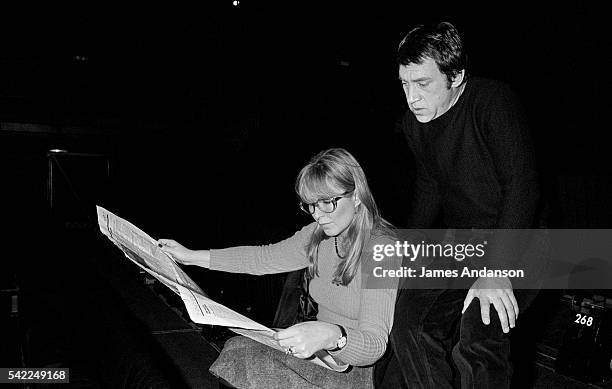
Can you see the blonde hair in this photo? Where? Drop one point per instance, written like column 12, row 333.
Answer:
column 337, row 168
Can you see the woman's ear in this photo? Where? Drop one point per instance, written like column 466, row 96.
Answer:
column 356, row 200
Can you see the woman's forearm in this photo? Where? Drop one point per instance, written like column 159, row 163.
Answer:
column 199, row 258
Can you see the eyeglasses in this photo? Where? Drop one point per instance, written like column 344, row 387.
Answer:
column 324, row 205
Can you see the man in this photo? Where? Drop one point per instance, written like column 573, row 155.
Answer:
column 475, row 169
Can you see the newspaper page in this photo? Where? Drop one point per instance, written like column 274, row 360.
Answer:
column 203, row 310
column 141, row 249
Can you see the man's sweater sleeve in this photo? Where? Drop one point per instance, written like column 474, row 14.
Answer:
column 426, row 202
column 284, row 256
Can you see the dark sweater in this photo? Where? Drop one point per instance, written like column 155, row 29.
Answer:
column 475, row 163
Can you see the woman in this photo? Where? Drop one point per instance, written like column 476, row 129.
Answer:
column 353, row 323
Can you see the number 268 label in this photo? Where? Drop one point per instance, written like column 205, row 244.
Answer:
column 584, row 320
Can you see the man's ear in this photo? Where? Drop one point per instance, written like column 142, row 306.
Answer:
column 458, row 79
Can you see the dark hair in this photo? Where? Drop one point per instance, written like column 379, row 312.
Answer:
column 440, row 42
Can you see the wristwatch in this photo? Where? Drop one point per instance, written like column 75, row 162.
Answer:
column 341, row 342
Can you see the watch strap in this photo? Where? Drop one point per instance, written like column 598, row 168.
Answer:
column 341, row 342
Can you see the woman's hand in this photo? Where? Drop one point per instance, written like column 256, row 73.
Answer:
column 184, row 255
column 306, row 338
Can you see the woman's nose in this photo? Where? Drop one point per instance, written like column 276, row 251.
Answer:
column 317, row 213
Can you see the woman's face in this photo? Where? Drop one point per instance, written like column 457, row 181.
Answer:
column 337, row 222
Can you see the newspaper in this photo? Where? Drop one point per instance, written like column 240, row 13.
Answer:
column 141, row 249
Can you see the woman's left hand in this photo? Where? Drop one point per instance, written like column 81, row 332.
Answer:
column 304, row 339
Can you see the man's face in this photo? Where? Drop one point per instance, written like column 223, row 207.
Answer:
column 426, row 89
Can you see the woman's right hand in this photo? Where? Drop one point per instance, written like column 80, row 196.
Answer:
column 184, row 255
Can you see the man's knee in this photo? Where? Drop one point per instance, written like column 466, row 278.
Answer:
column 473, row 328
column 482, row 352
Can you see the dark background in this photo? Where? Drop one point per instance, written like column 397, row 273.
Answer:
column 206, row 114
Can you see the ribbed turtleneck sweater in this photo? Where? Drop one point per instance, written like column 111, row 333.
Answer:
column 366, row 314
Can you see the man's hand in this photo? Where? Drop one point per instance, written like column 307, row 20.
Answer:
column 496, row 291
